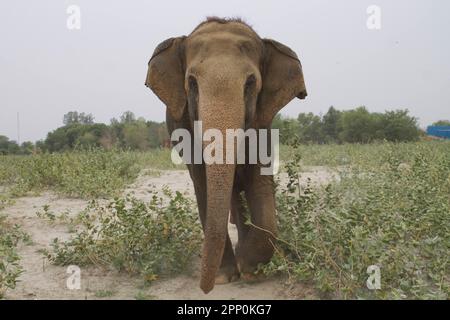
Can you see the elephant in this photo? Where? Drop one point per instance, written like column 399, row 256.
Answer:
column 226, row 76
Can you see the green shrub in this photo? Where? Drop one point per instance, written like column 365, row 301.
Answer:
column 159, row 159
column 89, row 173
column 10, row 268
column 364, row 155
column 150, row 239
column 392, row 211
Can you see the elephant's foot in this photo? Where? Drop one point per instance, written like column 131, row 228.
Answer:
column 226, row 275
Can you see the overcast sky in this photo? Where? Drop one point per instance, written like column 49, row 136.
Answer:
column 47, row 70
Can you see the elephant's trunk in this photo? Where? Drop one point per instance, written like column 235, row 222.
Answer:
column 221, row 107
column 219, row 180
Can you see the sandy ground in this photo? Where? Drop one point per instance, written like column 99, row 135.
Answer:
column 41, row 280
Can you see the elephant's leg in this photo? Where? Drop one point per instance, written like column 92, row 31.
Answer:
column 239, row 215
column 228, row 270
column 257, row 244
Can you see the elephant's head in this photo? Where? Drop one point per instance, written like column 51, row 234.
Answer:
column 225, row 75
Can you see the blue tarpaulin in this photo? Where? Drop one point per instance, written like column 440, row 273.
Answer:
column 439, row 131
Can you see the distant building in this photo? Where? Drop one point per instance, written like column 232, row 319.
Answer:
column 439, row 131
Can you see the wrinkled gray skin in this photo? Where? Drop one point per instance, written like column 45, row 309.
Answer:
column 225, row 75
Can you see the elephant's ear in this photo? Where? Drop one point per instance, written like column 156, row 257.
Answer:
column 165, row 75
column 282, row 81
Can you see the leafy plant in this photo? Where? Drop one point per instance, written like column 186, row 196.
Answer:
column 87, row 173
column 150, row 239
column 392, row 211
column 10, row 268
column 104, row 293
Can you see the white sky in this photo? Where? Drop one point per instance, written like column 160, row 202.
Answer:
column 47, row 70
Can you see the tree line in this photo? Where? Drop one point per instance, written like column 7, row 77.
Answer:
column 80, row 131
column 350, row 126
column 128, row 132
column 358, row 125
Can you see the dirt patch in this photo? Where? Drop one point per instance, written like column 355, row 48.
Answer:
column 42, row 280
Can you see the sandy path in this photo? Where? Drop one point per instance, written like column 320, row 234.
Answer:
column 42, row 280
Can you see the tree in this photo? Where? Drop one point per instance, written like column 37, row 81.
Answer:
column 41, row 146
column 332, row 125
column 442, row 123
column 353, row 126
column 288, row 129
column 8, row 147
column 157, row 134
column 90, row 135
column 135, row 135
column 310, row 128
column 26, row 147
column 86, row 118
column 70, row 136
column 399, row 126
column 127, row 117
column 108, row 139
column 73, row 117
column 57, row 140
column 70, row 117
column 360, row 126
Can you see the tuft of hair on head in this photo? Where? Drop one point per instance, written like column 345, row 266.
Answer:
column 224, row 21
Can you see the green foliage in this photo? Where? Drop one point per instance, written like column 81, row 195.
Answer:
column 85, row 173
column 310, row 128
column 75, row 135
column 398, row 126
column 144, row 296
column 128, row 133
column 104, row 293
column 338, row 155
column 127, row 117
column 73, row 117
column 135, row 135
column 10, row 269
column 352, row 126
column 332, row 125
column 149, row 239
column 442, row 123
column 288, row 129
column 11, row 147
column 360, row 125
column 63, row 217
column 392, row 211
column 159, row 159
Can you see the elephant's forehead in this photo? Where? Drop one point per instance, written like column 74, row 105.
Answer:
column 219, row 39
column 229, row 38
column 232, row 29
